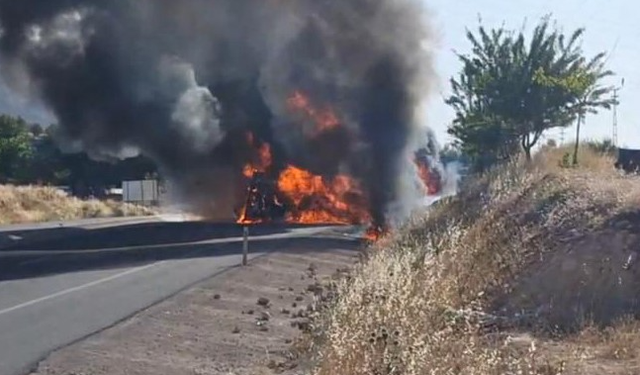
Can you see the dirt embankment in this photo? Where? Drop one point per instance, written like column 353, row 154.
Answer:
column 29, row 204
column 531, row 270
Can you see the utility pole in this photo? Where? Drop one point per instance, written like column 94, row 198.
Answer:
column 614, row 138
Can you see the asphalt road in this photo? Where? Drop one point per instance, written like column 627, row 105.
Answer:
column 55, row 290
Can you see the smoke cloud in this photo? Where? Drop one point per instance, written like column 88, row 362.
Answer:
column 183, row 81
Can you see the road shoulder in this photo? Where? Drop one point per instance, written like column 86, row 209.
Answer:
column 216, row 327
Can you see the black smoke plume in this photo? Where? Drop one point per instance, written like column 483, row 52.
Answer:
column 183, row 81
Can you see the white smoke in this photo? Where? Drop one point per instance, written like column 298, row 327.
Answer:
column 196, row 113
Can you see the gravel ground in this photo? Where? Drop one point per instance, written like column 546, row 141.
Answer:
column 240, row 322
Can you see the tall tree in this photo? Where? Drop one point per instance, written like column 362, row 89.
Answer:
column 15, row 148
column 511, row 91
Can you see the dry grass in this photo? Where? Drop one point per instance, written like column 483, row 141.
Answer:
column 500, row 280
column 27, row 204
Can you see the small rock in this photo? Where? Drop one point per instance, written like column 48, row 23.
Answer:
column 304, row 325
column 265, row 316
column 291, row 289
column 236, row 330
column 264, row 329
column 312, row 287
column 263, row 301
column 285, row 311
column 250, row 312
column 299, row 298
column 294, row 305
column 288, row 341
column 216, row 296
column 316, row 289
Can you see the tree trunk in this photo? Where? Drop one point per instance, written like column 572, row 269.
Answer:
column 526, row 147
column 527, row 143
column 575, row 150
column 527, row 153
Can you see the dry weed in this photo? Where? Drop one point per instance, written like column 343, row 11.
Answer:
column 27, row 204
column 442, row 294
column 621, row 341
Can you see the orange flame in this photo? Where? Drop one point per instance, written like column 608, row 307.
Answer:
column 324, row 120
column 262, row 163
column 373, row 234
column 243, row 219
column 317, row 200
column 430, row 178
column 263, row 158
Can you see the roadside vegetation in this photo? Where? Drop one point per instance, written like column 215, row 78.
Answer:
column 28, row 204
column 531, row 269
column 33, row 168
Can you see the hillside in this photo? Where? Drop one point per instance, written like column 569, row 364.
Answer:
column 28, row 204
column 530, row 270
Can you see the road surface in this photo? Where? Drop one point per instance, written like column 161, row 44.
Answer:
column 64, row 288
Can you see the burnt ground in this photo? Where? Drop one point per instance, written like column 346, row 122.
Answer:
column 218, row 326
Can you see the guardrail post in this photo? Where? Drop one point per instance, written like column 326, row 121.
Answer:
column 245, row 244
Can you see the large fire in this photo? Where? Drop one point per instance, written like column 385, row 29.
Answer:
column 338, row 200
column 299, row 196
column 311, row 199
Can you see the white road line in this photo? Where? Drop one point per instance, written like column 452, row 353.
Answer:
column 78, row 288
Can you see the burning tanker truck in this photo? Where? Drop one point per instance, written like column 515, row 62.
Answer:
column 296, row 195
column 305, row 111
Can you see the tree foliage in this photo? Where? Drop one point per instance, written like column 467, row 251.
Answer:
column 15, row 148
column 511, row 89
column 30, row 154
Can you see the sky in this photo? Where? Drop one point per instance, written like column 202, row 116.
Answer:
column 610, row 26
